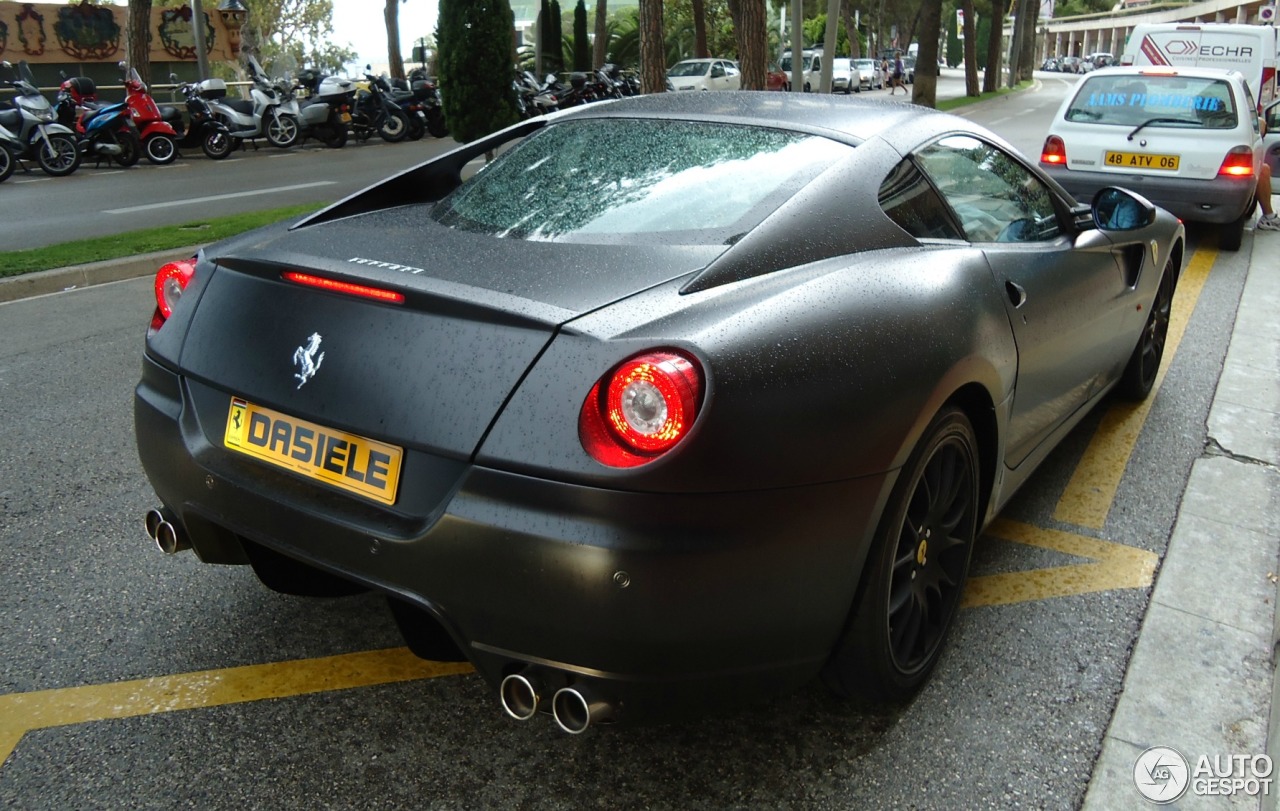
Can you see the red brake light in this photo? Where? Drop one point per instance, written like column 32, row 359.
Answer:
column 1237, row 163
column 336, row 286
column 171, row 280
column 1054, row 152
column 641, row 409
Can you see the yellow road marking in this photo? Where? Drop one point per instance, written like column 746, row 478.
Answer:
column 1088, row 497
column 1115, row 566
column 21, row 713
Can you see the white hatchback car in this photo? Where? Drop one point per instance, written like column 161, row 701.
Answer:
column 1188, row 139
column 705, row 74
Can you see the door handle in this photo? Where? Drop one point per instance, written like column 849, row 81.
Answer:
column 1017, row 295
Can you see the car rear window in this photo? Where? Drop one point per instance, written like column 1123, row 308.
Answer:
column 626, row 180
column 1130, row 100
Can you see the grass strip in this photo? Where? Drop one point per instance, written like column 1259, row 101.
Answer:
column 147, row 240
column 963, row 101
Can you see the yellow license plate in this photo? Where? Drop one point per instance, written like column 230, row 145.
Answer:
column 1137, row 160
column 346, row 118
column 354, row 463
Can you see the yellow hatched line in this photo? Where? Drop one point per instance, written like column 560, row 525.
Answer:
column 23, row 712
column 1088, row 497
column 1115, row 566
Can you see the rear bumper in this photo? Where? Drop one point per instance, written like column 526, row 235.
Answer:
column 659, row 602
column 1218, row 201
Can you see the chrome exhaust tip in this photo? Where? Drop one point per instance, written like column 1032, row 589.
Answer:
column 520, row 695
column 575, row 710
column 165, row 533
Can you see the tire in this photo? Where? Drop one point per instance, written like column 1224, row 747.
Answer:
column 160, row 149
column 217, row 144
column 1231, row 235
column 283, row 131
column 915, row 570
column 130, row 149
column 334, row 137
column 417, row 127
column 436, row 124
column 1140, row 373
column 7, row 164
column 60, row 157
column 395, row 127
column 806, row 87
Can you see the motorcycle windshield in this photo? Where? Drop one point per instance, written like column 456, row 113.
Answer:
column 137, row 79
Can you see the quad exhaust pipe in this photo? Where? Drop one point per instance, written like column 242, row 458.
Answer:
column 163, row 529
column 575, row 708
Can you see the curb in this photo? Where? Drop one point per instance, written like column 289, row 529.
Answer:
column 59, row 280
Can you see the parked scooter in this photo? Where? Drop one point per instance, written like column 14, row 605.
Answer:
column 202, row 129
column 30, row 118
column 10, row 149
column 375, row 112
column 103, row 131
column 326, row 109
column 261, row 115
column 159, row 139
column 420, row 99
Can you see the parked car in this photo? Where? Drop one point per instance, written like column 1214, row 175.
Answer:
column 845, row 77
column 871, row 73
column 1071, row 64
column 1096, row 60
column 909, row 68
column 810, row 68
column 632, row 419
column 776, row 79
column 1185, row 138
column 705, row 74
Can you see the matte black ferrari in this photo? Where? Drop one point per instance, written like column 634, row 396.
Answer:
column 680, row 401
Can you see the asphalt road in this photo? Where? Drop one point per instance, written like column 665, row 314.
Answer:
column 1013, row 718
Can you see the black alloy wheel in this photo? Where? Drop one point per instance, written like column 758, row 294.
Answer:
column 1144, row 364
column 60, row 156
column 217, row 144
column 160, row 149
column 916, row 569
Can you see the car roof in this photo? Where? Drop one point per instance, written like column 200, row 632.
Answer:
column 817, row 114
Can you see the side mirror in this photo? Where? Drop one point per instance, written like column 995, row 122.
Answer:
column 173, row 78
column 1116, row 209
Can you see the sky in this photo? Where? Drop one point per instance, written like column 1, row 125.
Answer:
column 360, row 23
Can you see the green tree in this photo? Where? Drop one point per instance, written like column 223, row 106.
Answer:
column 581, row 43
column 554, row 48
column 475, row 67
column 299, row 29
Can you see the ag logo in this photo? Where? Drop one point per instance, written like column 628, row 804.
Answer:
column 1161, row 774
column 1181, row 47
column 308, row 358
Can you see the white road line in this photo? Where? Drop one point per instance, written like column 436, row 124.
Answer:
column 233, row 195
column 997, row 122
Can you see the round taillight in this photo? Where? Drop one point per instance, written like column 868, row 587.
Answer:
column 641, row 409
column 171, row 280
column 1054, row 152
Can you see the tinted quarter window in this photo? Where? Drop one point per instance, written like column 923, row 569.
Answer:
column 912, row 203
column 995, row 197
column 629, row 180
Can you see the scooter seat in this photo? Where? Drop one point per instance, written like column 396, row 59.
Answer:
column 242, row 106
column 170, row 113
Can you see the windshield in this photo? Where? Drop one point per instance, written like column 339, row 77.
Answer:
column 624, row 180
column 1131, row 100
column 690, row 69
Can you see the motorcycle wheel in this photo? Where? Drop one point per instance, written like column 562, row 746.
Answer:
column 160, row 149
column 394, row 127
column 130, row 146
column 6, row 164
column 60, row 160
column 334, row 137
column 417, row 127
column 283, row 131
column 217, row 144
column 436, row 124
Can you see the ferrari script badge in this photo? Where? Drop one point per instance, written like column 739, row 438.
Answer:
column 307, row 360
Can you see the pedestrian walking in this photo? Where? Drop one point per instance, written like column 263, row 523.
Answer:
column 899, row 73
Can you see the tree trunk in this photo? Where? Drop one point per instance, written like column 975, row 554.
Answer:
column 653, row 49
column 1027, row 48
column 752, row 33
column 602, row 34
column 925, row 89
column 995, row 50
column 970, row 49
column 392, row 15
column 846, row 13
column 700, row 29
column 139, row 34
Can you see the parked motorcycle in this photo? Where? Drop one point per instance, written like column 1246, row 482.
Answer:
column 10, row 149
column 326, row 109
column 261, row 115
column 30, row 118
column 159, row 139
column 375, row 112
column 103, row 131
column 201, row 128
column 420, row 99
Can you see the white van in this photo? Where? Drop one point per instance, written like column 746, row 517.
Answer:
column 1250, row 49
